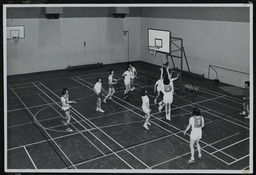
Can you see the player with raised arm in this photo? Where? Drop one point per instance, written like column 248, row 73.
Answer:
column 168, row 92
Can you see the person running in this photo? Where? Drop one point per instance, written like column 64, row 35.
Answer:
column 145, row 108
column 168, row 94
column 246, row 100
column 66, row 107
column 111, row 82
column 133, row 75
column 127, row 82
column 159, row 85
column 97, row 89
column 196, row 122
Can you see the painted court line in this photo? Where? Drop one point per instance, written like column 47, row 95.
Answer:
column 30, row 157
column 216, row 148
column 230, row 145
column 44, row 130
column 222, row 114
column 162, row 127
column 106, row 133
column 207, row 90
column 225, row 96
column 78, row 130
column 42, row 141
column 92, row 133
column 175, row 128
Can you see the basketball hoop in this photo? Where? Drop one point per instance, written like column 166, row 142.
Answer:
column 152, row 50
column 16, row 39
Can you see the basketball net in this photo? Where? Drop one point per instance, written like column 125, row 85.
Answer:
column 16, row 39
column 152, row 50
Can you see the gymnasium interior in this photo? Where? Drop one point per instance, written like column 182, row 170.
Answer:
column 51, row 47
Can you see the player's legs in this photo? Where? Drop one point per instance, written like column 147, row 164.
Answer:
column 168, row 111
column 132, row 85
column 107, row 96
column 147, row 120
column 198, row 149
column 161, row 105
column 127, row 89
column 67, row 123
column 112, row 92
column 247, row 107
column 157, row 95
column 99, row 104
column 192, row 151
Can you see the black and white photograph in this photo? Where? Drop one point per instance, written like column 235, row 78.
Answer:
column 128, row 88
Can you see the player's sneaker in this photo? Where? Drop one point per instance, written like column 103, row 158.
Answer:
column 199, row 157
column 149, row 123
column 146, row 126
column 97, row 109
column 64, row 123
column 168, row 117
column 190, row 161
column 243, row 113
column 104, row 101
column 69, row 130
column 100, row 110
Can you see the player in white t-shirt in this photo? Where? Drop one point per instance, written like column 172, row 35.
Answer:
column 66, row 107
column 111, row 82
column 168, row 92
column 146, row 108
column 127, row 82
column 97, row 89
column 159, row 86
column 133, row 76
column 196, row 122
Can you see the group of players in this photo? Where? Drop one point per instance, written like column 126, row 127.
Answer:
column 164, row 85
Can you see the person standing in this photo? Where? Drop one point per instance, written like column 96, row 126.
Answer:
column 66, row 107
column 133, row 75
column 246, row 100
column 196, row 122
column 127, row 82
column 111, row 82
column 146, row 108
column 97, row 89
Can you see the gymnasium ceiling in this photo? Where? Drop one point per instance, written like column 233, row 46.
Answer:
column 235, row 14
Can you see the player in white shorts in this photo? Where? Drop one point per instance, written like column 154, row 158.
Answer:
column 97, row 89
column 168, row 94
column 133, row 76
column 66, row 107
column 111, row 82
column 159, row 86
column 127, row 82
column 145, row 108
column 196, row 122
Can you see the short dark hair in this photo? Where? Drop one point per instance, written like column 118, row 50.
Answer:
column 98, row 78
column 110, row 71
column 247, row 83
column 196, row 111
column 166, row 81
column 64, row 91
column 143, row 93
